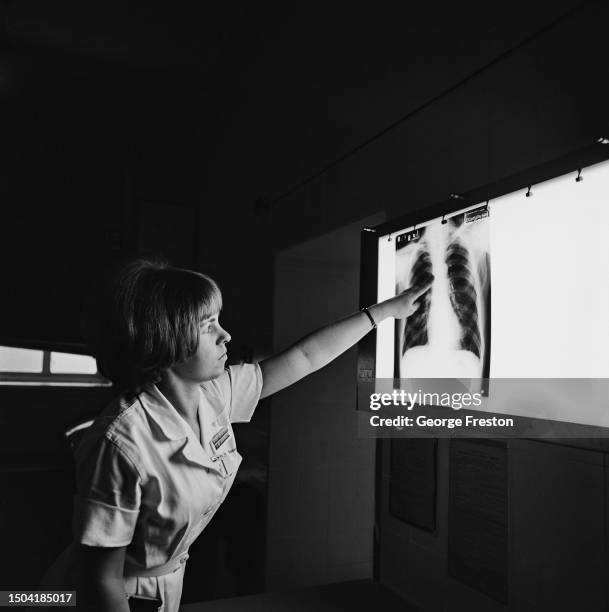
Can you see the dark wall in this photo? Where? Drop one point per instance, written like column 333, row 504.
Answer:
column 89, row 153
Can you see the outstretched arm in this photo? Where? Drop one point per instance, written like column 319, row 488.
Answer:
column 323, row 345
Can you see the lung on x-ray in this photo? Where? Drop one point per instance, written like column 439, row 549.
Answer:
column 449, row 334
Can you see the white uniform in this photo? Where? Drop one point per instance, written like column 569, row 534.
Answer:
column 146, row 482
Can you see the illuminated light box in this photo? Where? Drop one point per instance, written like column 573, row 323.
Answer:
column 520, row 292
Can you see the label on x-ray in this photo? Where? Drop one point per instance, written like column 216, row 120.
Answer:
column 476, row 214
column 406, row 238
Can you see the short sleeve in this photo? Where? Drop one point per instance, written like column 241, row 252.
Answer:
column 246, row 387
column 237, row 390
column 106, row 506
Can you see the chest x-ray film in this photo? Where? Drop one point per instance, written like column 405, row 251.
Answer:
column 544, row 260
column 448, row 336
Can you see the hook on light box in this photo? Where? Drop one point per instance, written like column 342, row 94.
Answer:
column 579, row 178
column 444, row 220
column 529, row 193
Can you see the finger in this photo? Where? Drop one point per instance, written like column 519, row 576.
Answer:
column 413, row 308
column 417, row 292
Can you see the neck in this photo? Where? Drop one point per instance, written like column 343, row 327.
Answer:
column 182, row 395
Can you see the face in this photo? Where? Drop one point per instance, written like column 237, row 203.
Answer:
column 209, row 360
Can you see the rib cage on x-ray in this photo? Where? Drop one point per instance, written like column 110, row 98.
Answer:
column 452, row 320
column 464, row 295
column 415, row 333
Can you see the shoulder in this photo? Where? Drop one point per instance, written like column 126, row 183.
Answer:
column 234, row 379
column 237, row 390
column 122, row 425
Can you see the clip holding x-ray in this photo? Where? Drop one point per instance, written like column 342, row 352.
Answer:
column 529, row 193
column 579, row 176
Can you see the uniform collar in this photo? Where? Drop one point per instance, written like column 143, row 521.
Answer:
column 170, row 425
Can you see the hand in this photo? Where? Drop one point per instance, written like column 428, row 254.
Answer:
column 404, row 305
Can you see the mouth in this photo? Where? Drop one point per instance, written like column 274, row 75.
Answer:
column 223, row 356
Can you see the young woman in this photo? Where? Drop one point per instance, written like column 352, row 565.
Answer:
column 160, row 459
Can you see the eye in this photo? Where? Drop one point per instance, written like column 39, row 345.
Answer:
column 207, row 326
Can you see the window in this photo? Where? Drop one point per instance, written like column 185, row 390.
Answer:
column 20, row 360
column 30, row 367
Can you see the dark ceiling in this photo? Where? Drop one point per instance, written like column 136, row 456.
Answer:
column 185, row 36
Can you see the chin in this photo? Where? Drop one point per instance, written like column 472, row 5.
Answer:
column 215, row 374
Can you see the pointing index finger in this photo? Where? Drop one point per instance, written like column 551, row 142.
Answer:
column 417, row 292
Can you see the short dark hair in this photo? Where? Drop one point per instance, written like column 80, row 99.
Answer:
column 149, row 320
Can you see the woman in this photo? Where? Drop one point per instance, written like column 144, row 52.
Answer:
column 157, row 463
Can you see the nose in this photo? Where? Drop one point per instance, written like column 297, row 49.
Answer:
column 225, row 337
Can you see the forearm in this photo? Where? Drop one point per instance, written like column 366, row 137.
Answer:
column 325, row 344
column 322, row 346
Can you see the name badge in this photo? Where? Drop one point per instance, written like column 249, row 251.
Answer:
column 220, row 438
